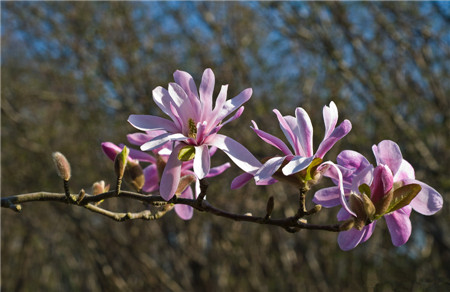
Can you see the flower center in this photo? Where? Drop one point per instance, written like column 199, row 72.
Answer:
column 192, row 129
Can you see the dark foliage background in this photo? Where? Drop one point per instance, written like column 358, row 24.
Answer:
column 72, row 72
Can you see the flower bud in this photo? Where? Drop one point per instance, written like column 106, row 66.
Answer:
column 81, row 195
column 369, row 208
column 99, row 188
column 120, row 162
column 347, row 225
column 185, row 181
column 383, row 204
column 134, row 175
column 62, row 165
column 160, row 165
column 357, row 206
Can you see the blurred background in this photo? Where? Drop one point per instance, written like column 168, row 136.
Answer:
column 72, row 73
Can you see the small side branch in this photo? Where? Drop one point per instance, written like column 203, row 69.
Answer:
column 121, row 216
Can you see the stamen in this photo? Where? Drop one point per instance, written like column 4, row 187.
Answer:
column 192, row 129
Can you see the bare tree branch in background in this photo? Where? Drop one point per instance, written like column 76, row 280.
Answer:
column 72, row 72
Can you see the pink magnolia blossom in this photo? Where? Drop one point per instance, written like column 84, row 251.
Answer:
column 299, row 132
column 392, row 173
column 193, row 126
column 151, row 175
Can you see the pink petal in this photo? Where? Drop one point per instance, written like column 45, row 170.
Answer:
column 399, row 225
column 288, row 133
column 150, row 123
column 332, row 173
column 185, row 212
column 202, row 161
column 298, row 163
column 348, row 240
column 110, row 149
column 234, row 103
column 241, row 180
column 186, row 82
column 382, row 182
column 352, row 160
column 139, row 155
column 328, row 197
column 151, row 179
column 330, row 117
column 220, row 102
column 161, row 140
column 364, row 176
column 293, row 125
column 369, row 231
column 343, row 215
column 206, row 92
column 182, row 104
column 163, row 99
column 406, row 171
column 201, row 132
column 238, row 153
column 428, row 201
column 387, row 152
column 171, row 175
column 272, row 140
column 212, row 151
column 266, row 182
column 215, row 171
column 337, row 134
column 138, row 138
column 269, row 168
column 305, row 131
column 341, row 187
column 187, row 166
column 235, row 116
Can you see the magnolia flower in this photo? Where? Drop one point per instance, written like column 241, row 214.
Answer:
column 388, row 190
column 193, row 127
column 299, row 132
column 151, row 172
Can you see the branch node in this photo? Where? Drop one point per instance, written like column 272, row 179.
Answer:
column 16, row 208
column 118, row 185
column 66, row 190
column 81, row 195
column 314, row 210
column 203, row 188
column 292, row 229
column 269, row 207
column 301, row 201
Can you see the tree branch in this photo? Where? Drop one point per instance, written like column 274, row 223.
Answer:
column 291, row 224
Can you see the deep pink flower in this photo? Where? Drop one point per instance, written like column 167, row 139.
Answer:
column 391, row 174
column 193, row 126
column 152, row 179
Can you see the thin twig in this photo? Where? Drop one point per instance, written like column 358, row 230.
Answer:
column 122, row 216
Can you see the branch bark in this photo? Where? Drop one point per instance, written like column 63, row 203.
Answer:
column 290, row 224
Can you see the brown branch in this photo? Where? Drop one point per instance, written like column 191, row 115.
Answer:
column 291, row 224
column 121, row 216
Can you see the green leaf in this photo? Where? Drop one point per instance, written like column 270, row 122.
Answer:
column 311, row 168
column 403, row 196
column 186, row 153
column 364, row 189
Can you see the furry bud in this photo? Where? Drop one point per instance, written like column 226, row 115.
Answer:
column 62, row 165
